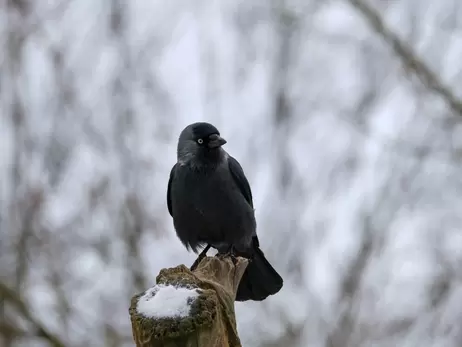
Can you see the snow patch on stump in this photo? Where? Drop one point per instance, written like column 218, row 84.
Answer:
column 164, row 301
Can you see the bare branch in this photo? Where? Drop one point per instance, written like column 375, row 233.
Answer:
column 408, row 57
column 350, row 291
column 11, row 296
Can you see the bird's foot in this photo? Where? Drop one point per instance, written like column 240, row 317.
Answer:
column 233, row 259
column 231, row 253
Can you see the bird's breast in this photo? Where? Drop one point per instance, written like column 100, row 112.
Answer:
column 211, row 205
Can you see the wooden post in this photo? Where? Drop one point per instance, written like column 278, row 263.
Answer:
column 211, row 320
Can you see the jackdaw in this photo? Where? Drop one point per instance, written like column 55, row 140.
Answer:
column 210, row 201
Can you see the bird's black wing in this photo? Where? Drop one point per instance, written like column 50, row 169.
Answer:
column 240, row 179
column 169, row 187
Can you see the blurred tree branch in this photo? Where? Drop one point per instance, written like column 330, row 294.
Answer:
column 408, row 57
column 349, row 292
column 13, row 298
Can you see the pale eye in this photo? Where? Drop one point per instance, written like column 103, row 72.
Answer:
column 200, row 141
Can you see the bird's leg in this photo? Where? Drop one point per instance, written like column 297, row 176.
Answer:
column 200, row 257
column 231, row 252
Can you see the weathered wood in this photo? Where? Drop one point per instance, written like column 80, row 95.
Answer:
column 211, row 321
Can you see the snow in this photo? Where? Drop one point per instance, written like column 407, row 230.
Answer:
column 165, row 301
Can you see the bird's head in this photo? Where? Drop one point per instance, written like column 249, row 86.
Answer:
column 200, row 143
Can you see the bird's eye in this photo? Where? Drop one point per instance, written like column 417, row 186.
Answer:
column 200, row 141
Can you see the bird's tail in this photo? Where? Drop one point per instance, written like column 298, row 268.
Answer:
column 260, row 279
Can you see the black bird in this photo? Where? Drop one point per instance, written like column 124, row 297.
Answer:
column 210, row 201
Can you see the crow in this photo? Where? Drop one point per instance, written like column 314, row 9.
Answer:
column 210, row 200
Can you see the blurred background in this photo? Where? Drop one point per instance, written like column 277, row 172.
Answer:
column 346, row 116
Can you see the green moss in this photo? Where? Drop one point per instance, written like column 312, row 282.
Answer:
column 203, row 309
column 177, row 276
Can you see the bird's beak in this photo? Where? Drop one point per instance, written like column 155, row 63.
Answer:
column 216, row 141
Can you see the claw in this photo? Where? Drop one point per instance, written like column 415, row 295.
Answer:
column 230, row 252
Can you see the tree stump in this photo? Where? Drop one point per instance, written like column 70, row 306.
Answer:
column 189, row 308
